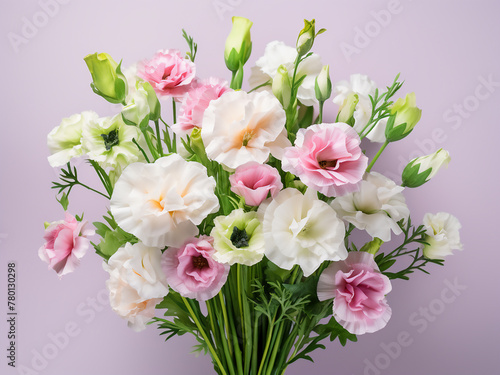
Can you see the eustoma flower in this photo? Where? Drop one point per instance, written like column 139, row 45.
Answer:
column 238, row 238
column 191, row 270
column 163, row 202
column 254, row 181
column 66, row 243
column 196, row 102
column 168, row 72
column 359, row 290
column 277, row 54
column 301, row 229
column 240, row 127
column 376, row 207
column 442, row 235
column 327, row 158
column 363, row 87
column 65, row 140
column 109, row 142
column 136, row 283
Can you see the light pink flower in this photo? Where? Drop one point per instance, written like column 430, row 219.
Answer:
column 66, row 244
column 168, row 72
column 192, row 272
column 359, row 290
column 253, row 181
column 327, row 158
column 196, row 101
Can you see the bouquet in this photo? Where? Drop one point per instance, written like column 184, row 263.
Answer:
column 234, row 221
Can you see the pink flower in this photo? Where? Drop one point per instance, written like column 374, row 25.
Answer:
column 253, row 181
column 196, row 101
column 327, row 158
column 168, row 72
column 192, row 272
column 359, row 290
column 66, row 244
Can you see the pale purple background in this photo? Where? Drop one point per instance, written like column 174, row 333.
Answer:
column 442, row 50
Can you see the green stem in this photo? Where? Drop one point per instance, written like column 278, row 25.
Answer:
column 268, row 342
column 320, row 117
column 94, row 190
column 226, row 323
column 205, row 337
column 141, row 149
column 174, row 111
column 220, row 334
column 261, row 85
column 369, row 168
column 152, row 148
column 158, row 138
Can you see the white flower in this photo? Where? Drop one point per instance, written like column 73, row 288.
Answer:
column 109, row 142
column 162, row 203
column 422, row 169
column 363, row 86
column 443, row 235
column 136, row 283
column 130, row 73
column 240, row 127
column 238, row 238
column 301, row 229
column 276, row 54
column 376, row 207
column 64, row 141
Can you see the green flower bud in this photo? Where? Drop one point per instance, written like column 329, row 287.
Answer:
column 373, row 246
column 282, row 87
column 422, row 169
column 323, row 84
column 404, row 116
column 108, row 80
column 346, row 113
column 306, row 37
column 238, row 44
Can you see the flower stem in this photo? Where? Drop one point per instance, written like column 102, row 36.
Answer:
column 369, row 168
column 174, row 111
column 269, row 336
column 320, row 117
column 205, row 337
column 158, row 138
column 226, row 323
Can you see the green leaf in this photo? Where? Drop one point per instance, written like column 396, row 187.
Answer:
column 335, row 330
column 64, row 201
column 112, row 237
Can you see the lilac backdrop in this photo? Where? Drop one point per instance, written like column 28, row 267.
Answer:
column 445, row 51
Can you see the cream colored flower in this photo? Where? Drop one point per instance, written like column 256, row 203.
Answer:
column 136, row 283
column 240, row 127
column 162, row 203
column 301, row 229
column 65, row 140
column 108, row 141
column 376, row 207
column 442, row 235
column 277, row 54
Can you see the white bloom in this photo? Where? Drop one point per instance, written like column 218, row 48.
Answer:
column 163, row 202
column 130, row 73
column 243, row 245
column 109, row 142
column 422, row 169
column 276, row 54
column 442, row 235
column 301, row 229
column 240, row 127
column 137, row 108
column 376, row 207
column 363, row 86
column 136, row 283
column 64, row 141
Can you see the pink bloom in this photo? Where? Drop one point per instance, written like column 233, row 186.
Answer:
column 327, row 158
column 66, row 244
column 192, row 272
column 359, row 290
column 168, row 72
column 196, row 101
column 253, row 181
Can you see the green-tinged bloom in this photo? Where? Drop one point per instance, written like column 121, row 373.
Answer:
column 282, row 87
column 142, row 105
column 346, row 112
column 422, row 169
column 323, row 84
column 238, row 44
column 306, row 37
column 108, row 80
column 109, row 142
column 404, row 116
column 372, row 246
column 238, row 238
